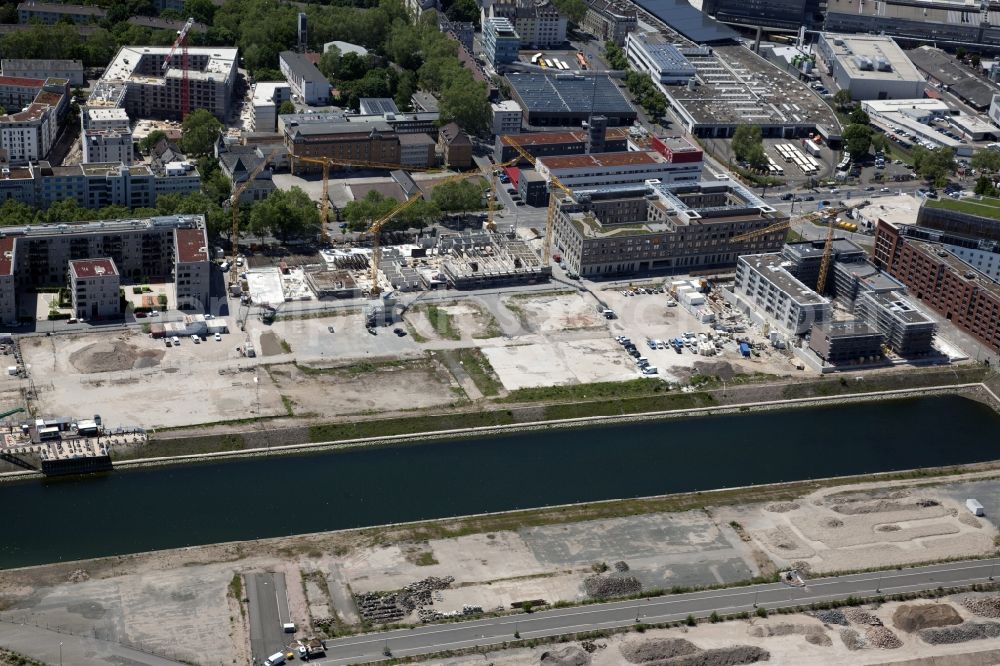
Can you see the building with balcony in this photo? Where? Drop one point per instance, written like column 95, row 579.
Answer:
column 94, row 289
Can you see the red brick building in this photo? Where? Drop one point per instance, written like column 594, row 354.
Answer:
column 967, row 298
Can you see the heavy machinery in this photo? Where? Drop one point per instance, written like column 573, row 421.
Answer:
column 181, row 43
column 554, row 184
column 234, row 204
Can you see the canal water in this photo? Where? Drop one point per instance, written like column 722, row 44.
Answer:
column 167, row 507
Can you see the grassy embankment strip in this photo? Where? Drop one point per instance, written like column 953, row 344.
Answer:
column 848, row 384
column 442, row 322
column 478, row 367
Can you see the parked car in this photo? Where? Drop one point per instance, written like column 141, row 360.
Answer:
column 218, row 337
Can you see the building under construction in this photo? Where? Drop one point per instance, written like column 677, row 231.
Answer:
column 479, row 259
column 63, row 446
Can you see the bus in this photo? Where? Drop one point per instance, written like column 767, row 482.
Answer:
column 580, row 58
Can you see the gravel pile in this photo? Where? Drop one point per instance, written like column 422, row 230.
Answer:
column 861, row 616
column 985, row 605
column 879, row 506
column 832, row 616
column 571, row 655
column 883, row 638
column 762, row 630
column 78, row 576
column 820, row 639
column 968, row 631
column 888, row 528
column 385, row 607
column 781, row 507
column 914, row 617
column 611, row 586
column 852, row 639
column 654, row 649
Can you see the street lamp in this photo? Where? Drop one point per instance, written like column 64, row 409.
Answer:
column 60, row 653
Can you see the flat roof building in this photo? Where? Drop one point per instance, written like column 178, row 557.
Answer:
column 71, row 70
column 506, row 117
column 689, row 21
column 542, row 144
column 907, row 330
column 961, row 22
column 54, row 12
column 266, row 98
column 305, row 78
column 135, row 81
column 766, row 288
column 537, row 23
column 870, row 67
column 659, row 226
column 845, row 342
column 941, row 69
column 569, row 99
column 500, row 41
column 661, row 60
column 599, row 169
column 37, row 108
column 787, row 14
column 610, row 20
column 94, row 289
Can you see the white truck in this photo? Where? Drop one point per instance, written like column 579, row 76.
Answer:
column 275, row 659
column 974, row 507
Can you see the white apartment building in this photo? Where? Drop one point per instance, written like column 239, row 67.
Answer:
column 267, row 97
column 304, row 78
column 106, row 136
column 94, row 285
column 766, row 289
column 506, row 117
column 537, row 22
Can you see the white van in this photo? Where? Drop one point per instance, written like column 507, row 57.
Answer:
column 275, row 659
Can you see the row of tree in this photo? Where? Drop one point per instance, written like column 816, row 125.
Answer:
column 456, row 196
column 643, row 90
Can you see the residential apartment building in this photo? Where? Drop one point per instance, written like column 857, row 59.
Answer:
column 907, row 330
column 71, row 70
column 846, row 341
column 537, row 22
column 135, row 81
column 107, row 136
column 766, row 288
column 192, row 269
column 506, row 117
column 660, row 226
column 599, row 169
column 95, row 185
column 610, row 20
column 500, row 41
column 305, row 79
column 94, row 289
column 267, row 98
column 27, row 135
column 55, row 12
column 455, row 146
column 141, row 250
column 941, row 280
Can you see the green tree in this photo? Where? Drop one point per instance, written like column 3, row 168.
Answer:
column 975, row 60
column 756, row 157
column 879, row 142
column 285, row 214
column 960, row 53
column 202, row 11
column 985, row 160
column 199, row 132
column 857, row 140
column 151, row 139
column 745, row 139
column 286, row 108
column 985, row 187
column 360, row 213
column 842, row 99
column 934, row 166
column 859, row 116
column 615, row 56
column 466, row 102
column 461, row 195
column 574, row 10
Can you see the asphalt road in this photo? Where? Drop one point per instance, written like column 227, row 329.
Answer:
column 268, row 608
column 438, row 637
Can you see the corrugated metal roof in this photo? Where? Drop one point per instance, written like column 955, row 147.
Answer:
column 688, row 21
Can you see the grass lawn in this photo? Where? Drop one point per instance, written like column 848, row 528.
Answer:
column 984, row 206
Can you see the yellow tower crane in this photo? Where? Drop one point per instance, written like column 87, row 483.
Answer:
column 234, row 234
column 824, row 264
column 554, row 184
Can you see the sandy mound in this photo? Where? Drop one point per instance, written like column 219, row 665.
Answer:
column 641, row 652
column 852, row 639
column 912, row 617
column 571, row 655
column 113, row 357
column 970, row 631
column 781, row 507
column 859, row 616
column 731, row 656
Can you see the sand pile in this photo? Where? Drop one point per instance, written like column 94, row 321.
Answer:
column 852, row 639
column 642, row 652
column 107, row 357
column 571, row 655
column 914, row 617
column 861, row 616
column 781, row 507
column 611, row 586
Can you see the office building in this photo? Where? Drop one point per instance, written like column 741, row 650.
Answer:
column 57, row 12
column 106, row 136
column 305, row 79
column 869, row 66
column 787, row 14
column 267, row 98
column 659, row 226
column 71, row 70
column 416, row 150
column 542, row 144
column 142, row 250
column 94, row 289
column 500, row 41
column 532, row 188
column 365, row 142
column 610, row 20
column 958, row 22
column 598, row 169
column 506, row 117
column 401, row 123
column 568, row 100
column 136, row 82
column 537, row 23
column 661, row 60
column 96, row 185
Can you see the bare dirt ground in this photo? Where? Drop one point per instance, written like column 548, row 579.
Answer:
column 782, row 639
column 363, row 387
column 559, row 312
column 558, row 362
column 166, row 599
